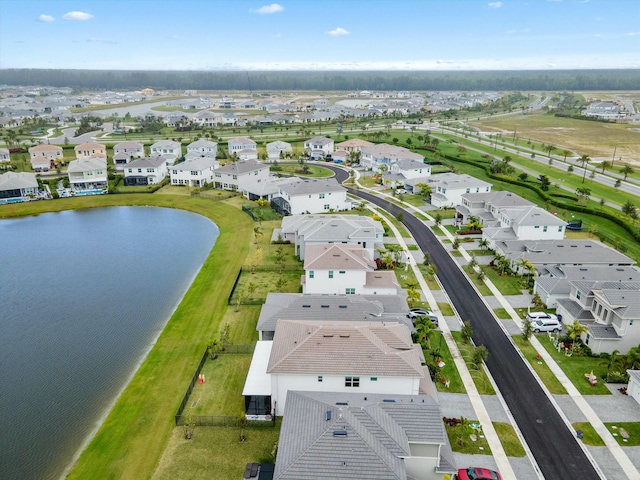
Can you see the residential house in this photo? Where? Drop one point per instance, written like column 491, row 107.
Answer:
column 195, row 172
column 335, row 268
column 278, row 150
column 205, row 118
column 546, row 254
column 237, row 175
column 243, row 148
column 350, row 435
column 169, row 149
column 202, row 148
column 486, row 206
column 314, row 195
column 310, row 355
column 447, row 188
column 524, row 223
column 553, row 283
column 5, row 156
column 43, row 157
column 318, row 147
column 609, row 310
column 90, row 150
column 17, row 187
column 125, row 152
column 145, row 171
column 382, row 156
column 303, row 230
column 88, row 175
column 350, row 149
column 268, row 189
column 324, row 308
column 633, row 389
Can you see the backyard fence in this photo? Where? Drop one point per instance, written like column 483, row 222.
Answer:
column 214, row 196
column 192, row 384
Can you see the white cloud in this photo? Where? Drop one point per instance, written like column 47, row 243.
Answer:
column 268, row 9
column 338, row 32
column 81, row 16
column 633, row 34
column 495, row 4
column 46, row 18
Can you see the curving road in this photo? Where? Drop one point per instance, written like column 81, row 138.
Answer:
column 553, row 445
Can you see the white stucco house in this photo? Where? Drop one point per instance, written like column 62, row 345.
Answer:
column 336, row 268
column 243, row 148
column 17, row 187
column 237, row 175
column 5, row 156
column 125, row 152
column 277, row 150
column 447, row 188
column 318, row 147
column 524, row 223
column 308, row 355
column 168, row 149
column 194, row 172
column 202, row 148
column 88, row 174
column 383, row 155
column 145, row 171
column 314, row 195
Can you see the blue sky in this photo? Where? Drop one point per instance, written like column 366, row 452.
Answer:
column 320, row 35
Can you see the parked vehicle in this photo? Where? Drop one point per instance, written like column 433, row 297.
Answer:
column 533, row 316
column 477, row 473
column 546, row 325
column 422, row 312
column 401, row 191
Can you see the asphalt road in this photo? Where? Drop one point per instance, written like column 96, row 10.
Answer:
column 552, row 444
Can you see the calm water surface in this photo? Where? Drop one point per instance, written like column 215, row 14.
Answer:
column 83, row 296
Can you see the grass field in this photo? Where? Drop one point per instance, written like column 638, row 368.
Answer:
column 510, row 441
column 541, row 368
column 631, row 428
column 134, row 434
column 585, row 137
column 479, row 376
column 315, row 171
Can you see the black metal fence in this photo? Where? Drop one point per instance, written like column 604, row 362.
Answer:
column 192, row 384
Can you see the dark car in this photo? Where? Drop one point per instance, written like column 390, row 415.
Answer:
column 477, row 473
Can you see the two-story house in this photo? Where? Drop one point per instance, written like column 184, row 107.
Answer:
column 194, row 172
column 169, row 149
column 336, row 268
column 43, row 157
column 277, row 150
column 145, row 171
column 524, row 223
column 447, row 188
column 486, row 206
column 318, row 148
column 237, row 175
column 202, row 148
column 88, row 175
column 90, row 150
column 610, row 311
column 303, row 230
column 382, row 156
column 125, row 152
column 310, row 355
column 205, row 118
column 314, row 195
column 243, row 148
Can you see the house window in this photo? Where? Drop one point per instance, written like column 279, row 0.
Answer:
column 326, row 206
column 351, row 381
column 311, row 273
column 537, row 226
column 139, row 170
column 342, row 272
column 149, row 170
column 321, row 195
column 350, row 291
column 131, row 170
column 330, row 273
column 544, row 229
column 374, row 379
column 194, row 173
column 235, row 177
column 578, row 294
column 559, row 228
column 320, row 378
column 218, row 175
column 631, row 321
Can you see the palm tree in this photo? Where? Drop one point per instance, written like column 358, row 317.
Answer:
column 575, row 331
column 413, row 296
column 565, row 153
column 549, row 148
column 611, row 360
column 584, row 159
column 627, row 170
column 525, row 265
column 483, row 243
column 606, row 164
column 425, row 330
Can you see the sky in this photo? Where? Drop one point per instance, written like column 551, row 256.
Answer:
column 320, row 34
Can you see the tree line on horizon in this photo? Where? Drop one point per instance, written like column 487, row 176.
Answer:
column 551, row 80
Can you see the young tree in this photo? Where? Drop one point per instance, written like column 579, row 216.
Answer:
column 544, row 183
column 630, row 209
column 466, row 331
column 480, row 355
column 413, row 297
column 527, row 329
column 575, row 331
column 537, row 302
column 627, row 170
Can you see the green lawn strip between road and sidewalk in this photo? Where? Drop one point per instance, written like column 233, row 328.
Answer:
column 541, row 368
column 589, row 435
column 134, row 434
column 480, row 377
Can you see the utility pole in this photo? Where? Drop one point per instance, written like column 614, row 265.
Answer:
column 614, row 155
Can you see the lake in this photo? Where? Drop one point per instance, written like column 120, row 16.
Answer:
column 84, row 296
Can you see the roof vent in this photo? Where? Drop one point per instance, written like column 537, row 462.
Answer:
column 344, row 335
column 324, row 306
column 342, row 403
column 339, row 433
column 327, row 415
column 588, row 246
column 327, row 335
column 388, row 400
column 306, row 306
column 342, row 306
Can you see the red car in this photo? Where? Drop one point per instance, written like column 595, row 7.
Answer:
column 477, row 473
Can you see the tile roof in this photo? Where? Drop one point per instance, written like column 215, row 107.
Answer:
column 17, row 180
column 151, row 162
column 86, row 164
column 45, row 148
column 565, row 251
column 598, row 331
column 313, row 185
column 196, row 164
column 337, row 256
column 343, row 348
column 242, row 167
column 243, row 140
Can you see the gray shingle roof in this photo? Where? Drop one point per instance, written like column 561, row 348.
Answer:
column 18, row 180
column 312, row 186
column 598, row 331
column 575, row 252
column 151, row 162
column 379, row 430
column 196, row 164
column 353, row 308
column 245, row 166
column 575, row 309
column 345, row 348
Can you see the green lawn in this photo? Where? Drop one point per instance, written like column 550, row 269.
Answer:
column 461, row 442
column 632, row 429
column 479, row 376
column 446, row 309
column 502, row 314
column 315, row 171
column 507, row 284
column 480, row 285
column 449, row 371
column 134, row 434
column 540, row 367
column 576, row 367
column 263, row 283
column 509, row 439
column 589, row 434
column 429, row 278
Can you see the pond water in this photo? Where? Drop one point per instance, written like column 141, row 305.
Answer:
column 84, row 296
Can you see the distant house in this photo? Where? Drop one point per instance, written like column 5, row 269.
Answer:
column 125, row 152
column 88, row 175
column 335, row 268
column 610, row 311
column 237, row 175
column 309, row 355
column 202, row 148
column 447, row 188
column 17, row 187
column 194, row 172
column 90, row 150
column 303, row 230
column 4, row 155
column 352, row 147
column 318, row 147
column 524, row 223
column 277, row 150
column 43, row 157
column 315, row 195
column 486, row 206
column 145, row 171
column 167, row 148
column 243, row 148
column 205, row 118
column 383, row 156
column 350, row 435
